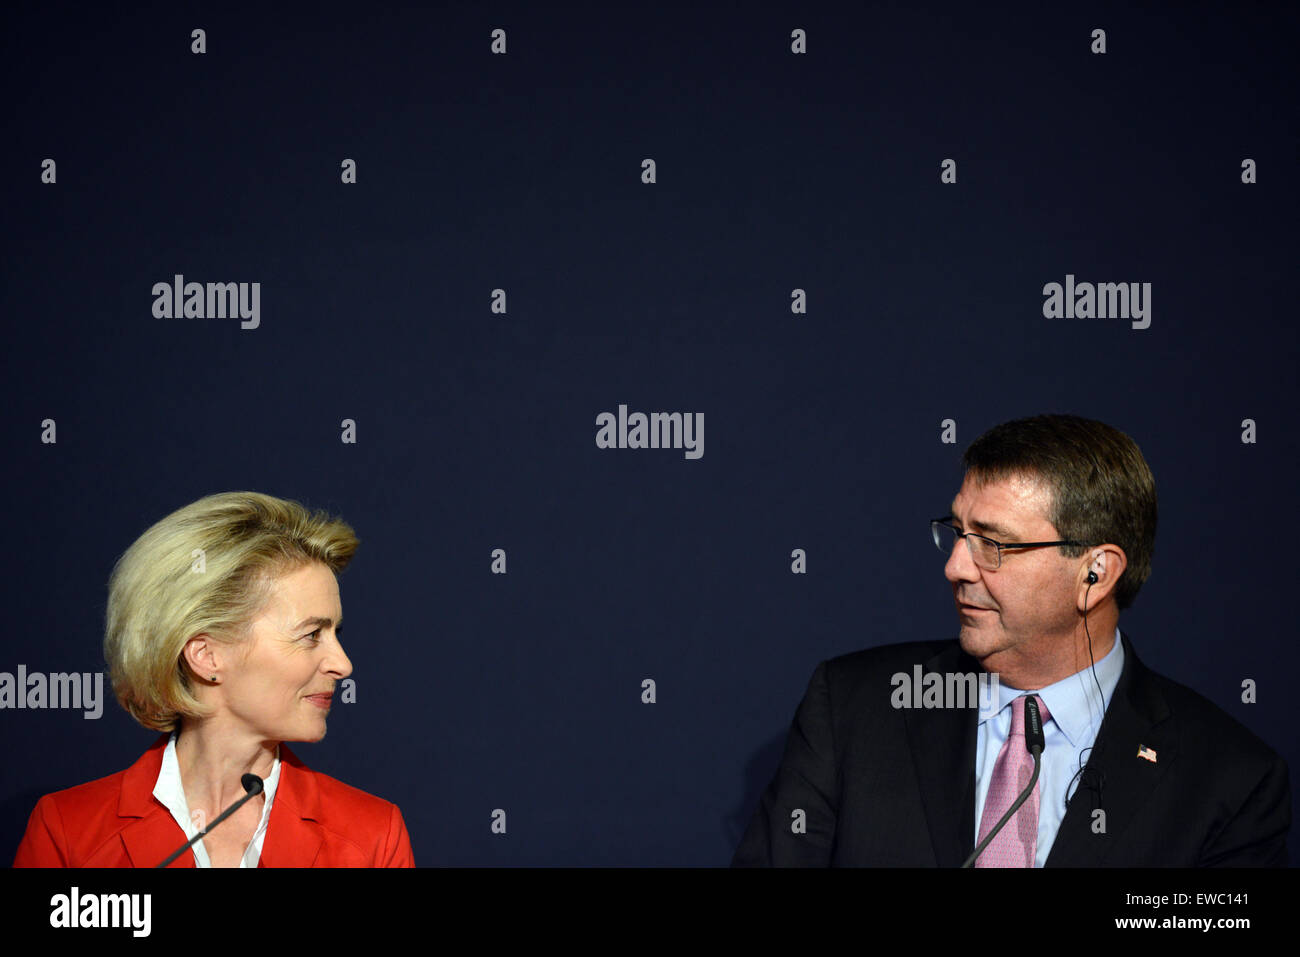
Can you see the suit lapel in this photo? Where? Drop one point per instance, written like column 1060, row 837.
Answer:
column 293, row 833
column 1115, row 779
column 151, row 840
column 937, row 736
column 155, row 834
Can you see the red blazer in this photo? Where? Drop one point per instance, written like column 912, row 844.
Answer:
column 316, row 821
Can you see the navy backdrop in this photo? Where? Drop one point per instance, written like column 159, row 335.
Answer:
column 475, row 430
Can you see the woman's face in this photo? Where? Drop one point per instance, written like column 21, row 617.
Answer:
column 280, row 688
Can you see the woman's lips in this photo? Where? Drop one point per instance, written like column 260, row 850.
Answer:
column 320, row 700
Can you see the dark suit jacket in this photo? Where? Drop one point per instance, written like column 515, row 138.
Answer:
column 896, row 788
column 316, row 821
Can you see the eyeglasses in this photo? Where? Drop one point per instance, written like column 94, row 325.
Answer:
column 985, row 552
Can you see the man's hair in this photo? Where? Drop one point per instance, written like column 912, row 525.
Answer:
column 1101, row 487
column 206, row 568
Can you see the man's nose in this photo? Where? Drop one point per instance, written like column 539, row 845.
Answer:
column 960, row 565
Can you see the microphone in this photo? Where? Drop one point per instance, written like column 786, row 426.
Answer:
column 1034, row 744
column 1033, row 727
column 253, row 785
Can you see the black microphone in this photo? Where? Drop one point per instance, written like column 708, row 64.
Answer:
column 252, row 784
column 1033, row 727
column 1034, row 744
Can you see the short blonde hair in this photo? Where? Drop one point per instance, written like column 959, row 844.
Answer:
column 163, row 591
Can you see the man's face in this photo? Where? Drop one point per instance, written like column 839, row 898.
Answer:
column 1025, row 609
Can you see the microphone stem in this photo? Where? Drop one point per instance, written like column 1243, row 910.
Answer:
column 221, row 817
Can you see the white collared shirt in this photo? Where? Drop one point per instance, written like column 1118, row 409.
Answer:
column 171, row 793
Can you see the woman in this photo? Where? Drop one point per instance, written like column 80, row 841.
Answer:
column 223, row 629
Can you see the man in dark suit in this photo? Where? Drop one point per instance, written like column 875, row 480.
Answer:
column 1050, row 536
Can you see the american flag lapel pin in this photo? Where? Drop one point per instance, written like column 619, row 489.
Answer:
column 1145, row 752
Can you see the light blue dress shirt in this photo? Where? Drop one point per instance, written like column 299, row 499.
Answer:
column 170, row 791
column 1068, row 733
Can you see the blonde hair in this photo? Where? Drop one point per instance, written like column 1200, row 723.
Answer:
column 164, row 590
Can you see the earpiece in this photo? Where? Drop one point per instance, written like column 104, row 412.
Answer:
column 1099, row 564
column 1092, row 578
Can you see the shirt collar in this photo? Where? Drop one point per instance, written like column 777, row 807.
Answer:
column 1073, row 701
column 170, row 790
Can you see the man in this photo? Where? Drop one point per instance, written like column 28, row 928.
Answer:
column 1050, row 536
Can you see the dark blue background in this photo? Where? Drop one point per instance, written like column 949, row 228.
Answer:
column 477, row 431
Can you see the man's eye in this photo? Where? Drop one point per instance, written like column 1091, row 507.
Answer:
column 314, row 636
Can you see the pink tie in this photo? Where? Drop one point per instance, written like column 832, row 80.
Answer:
column 1016, row 843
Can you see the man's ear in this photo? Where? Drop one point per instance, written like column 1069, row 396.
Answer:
column 1099, row 573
